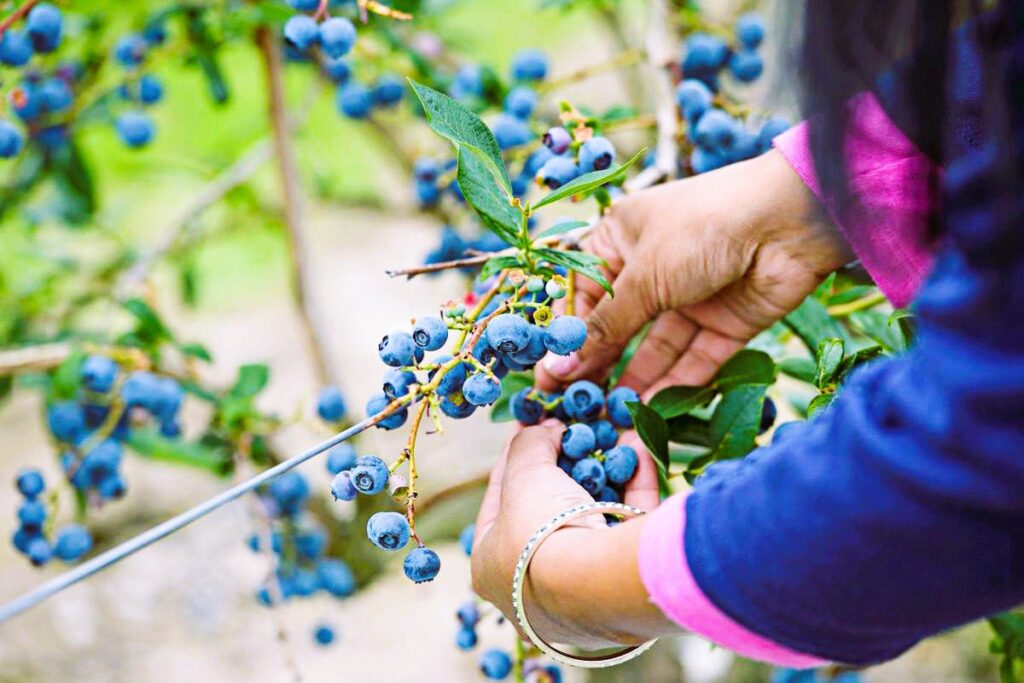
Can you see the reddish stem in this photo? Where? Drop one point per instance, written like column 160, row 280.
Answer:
column 16, row 15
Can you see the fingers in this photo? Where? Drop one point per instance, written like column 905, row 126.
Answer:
column 668, row 338
column 699, row 363
column 642, row 489
column 534, row 446
column 491, row 504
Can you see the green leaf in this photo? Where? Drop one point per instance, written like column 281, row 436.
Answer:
column 747, row 366
column 150, row 327
column 874, row 324
column 653, row 431
column 864, row 355
column 251, row 381
column 560, row 228
column 150, row 444
column 513, row 383
column 583, row 263
column 680, row 400
column 812, row 323
column 66, row 378
column 802, row 369
column 689, row 430
column 195, row 350
column 499, row 263
column 830, row 358
column 589, row 181
column 461, row 127
column 819, row 402
column 736, row 421
column 481, row 193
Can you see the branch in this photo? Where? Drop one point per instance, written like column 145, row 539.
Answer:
column 628, row 57
column 16, row 15
column 37, row 358
column 661, row 45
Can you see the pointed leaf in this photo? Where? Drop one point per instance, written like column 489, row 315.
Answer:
column 583, row 263
column 820, row 402
column 737, row 421
column 802, row 369
column 747, row 366
column 830, row 358
column 590, row 181
column 499, row 263
column 689, row 430
column 482, row 193
column 560, row 228
column 653, row 431
column 251, row 380
column 812, row 323
column 680, row 400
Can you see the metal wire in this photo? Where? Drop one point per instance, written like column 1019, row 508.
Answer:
column 134, row 545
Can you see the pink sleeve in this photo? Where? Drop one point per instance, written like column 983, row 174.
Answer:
column 889, row 176
column 671, row 586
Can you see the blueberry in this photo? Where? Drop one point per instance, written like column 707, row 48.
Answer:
column 44, row 24
column 750, row 30
column 596, row 154
column 428, row 170
column 510, row 131
column 66, row 421
column 379, row 402
column 468, row 614
column 589, row 474
column 529, row 65
column 330, row 405
column 397, row 349
column 694, row 99
column 370, row 475
column 578, row 441
column 704, row 54
column 558, row 171
column 583, row 400
column 337, row 70
column 397, row 382
column 746, row 65
column 481, row 389
column 620, row 464
column 389, row 90
column 466, row 538
column 453, row 379
column 135, row 128
column 388, row 530
column 768, row 414
column 716, row 131
column 30, row 483
column 565, row 334
column 354, row 100
column 289, row 492
column 555, row 289
column 455, row 406
column 155, row 33
column 304, row 5
column 468, row 82
column 39, row 551
column 150, row 90
column 336, row 578
column 22, row 538
column 304, row 582
column 616, row 401
column 608, row 495
column 496, row 665
column 310, row 544
column 427, row 194
column 324, row 635
column 342, row 487
column 98, row 373
column 302, row 32
column 54, row 95
column 521, row 102
column 746, row 147
column 430, row 333
column 10, row 139
column 557, row 139
column 604, row 434
column 32, row 514
column 130, row 50
column 771, row 129
column 465, row 638
column 337, row 36
column 421, row 565
column 702, row 161
column 73, row 541
column 15, row 48
column 508, row 333
column 565, row 464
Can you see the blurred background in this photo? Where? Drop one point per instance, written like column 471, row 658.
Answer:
column 184, row 609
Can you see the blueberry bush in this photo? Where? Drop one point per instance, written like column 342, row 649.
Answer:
column 509, row 160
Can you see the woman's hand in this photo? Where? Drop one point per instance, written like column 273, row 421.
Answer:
column 711, row 260
column 583, row 586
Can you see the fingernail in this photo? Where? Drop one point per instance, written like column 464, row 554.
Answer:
column 561, row 366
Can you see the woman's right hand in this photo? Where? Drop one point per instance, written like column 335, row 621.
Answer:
column 710, row 260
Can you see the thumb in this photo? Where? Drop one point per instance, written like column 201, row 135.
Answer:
column 533, row 447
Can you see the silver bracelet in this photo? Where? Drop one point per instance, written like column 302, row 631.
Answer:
column 585, row 661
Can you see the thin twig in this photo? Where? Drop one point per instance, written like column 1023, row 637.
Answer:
column 628, row 57
column 16, row 15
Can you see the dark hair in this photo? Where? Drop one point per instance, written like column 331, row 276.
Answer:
column 902, row 50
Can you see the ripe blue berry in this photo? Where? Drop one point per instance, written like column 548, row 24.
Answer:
column 354, row 100
column 468, row 614
column 15, row 48
column 130, row 50
column 465, row 638
column 330, row 405
column 557, row 139
column 608, row 495
column 73, row 541
column 583, row 400
column 324, row 635
column 529, row 65
column 578, row 441
column 397, row 349
column 618, row 413
column 620, row 464
column 304, row 5
column 521, row 102
column 150, row 90
column 388, row 530
column 452, row 379
column 750, row 30
column 30, row 483
column 704, row 55
column 44, row 24
column 421, row 565
column 466, row 538
column 310, row 544
column 289, row 492
column 155, row 33
column 39, row 551
column 430, row 333
column 468, row 82
column 702, row 161
column 302, row 32
column 694, row 99
column 32, row 514
column 66, row 422
column 565, row 334
column 746, row 146
column 508, row 333
column 481, row 389
column 370, row 475
column 389, row 90
column 337, row 70
column 455, row 406
column 771, row 129
column 135, row 128
column 379, row 402
column 510, row 131
column 535, row 350
column 596, row 154
column 397, row 383
column 768, row 414
column 427, row 194
column 99, row 373
column 11, row 140
column 496, row 665
column 336, row 578
column 54, row 95
column 589, row 474
column 428, row 170
column 716, row 131
column 604, row 434
column 746, row 65
column 337, row 36
column 342, row 487
column 556, row 172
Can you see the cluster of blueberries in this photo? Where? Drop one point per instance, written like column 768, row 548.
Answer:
column 303, row 566
column 719, row 138
column 328, row 43
column 138, row 90
column 30, row 539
